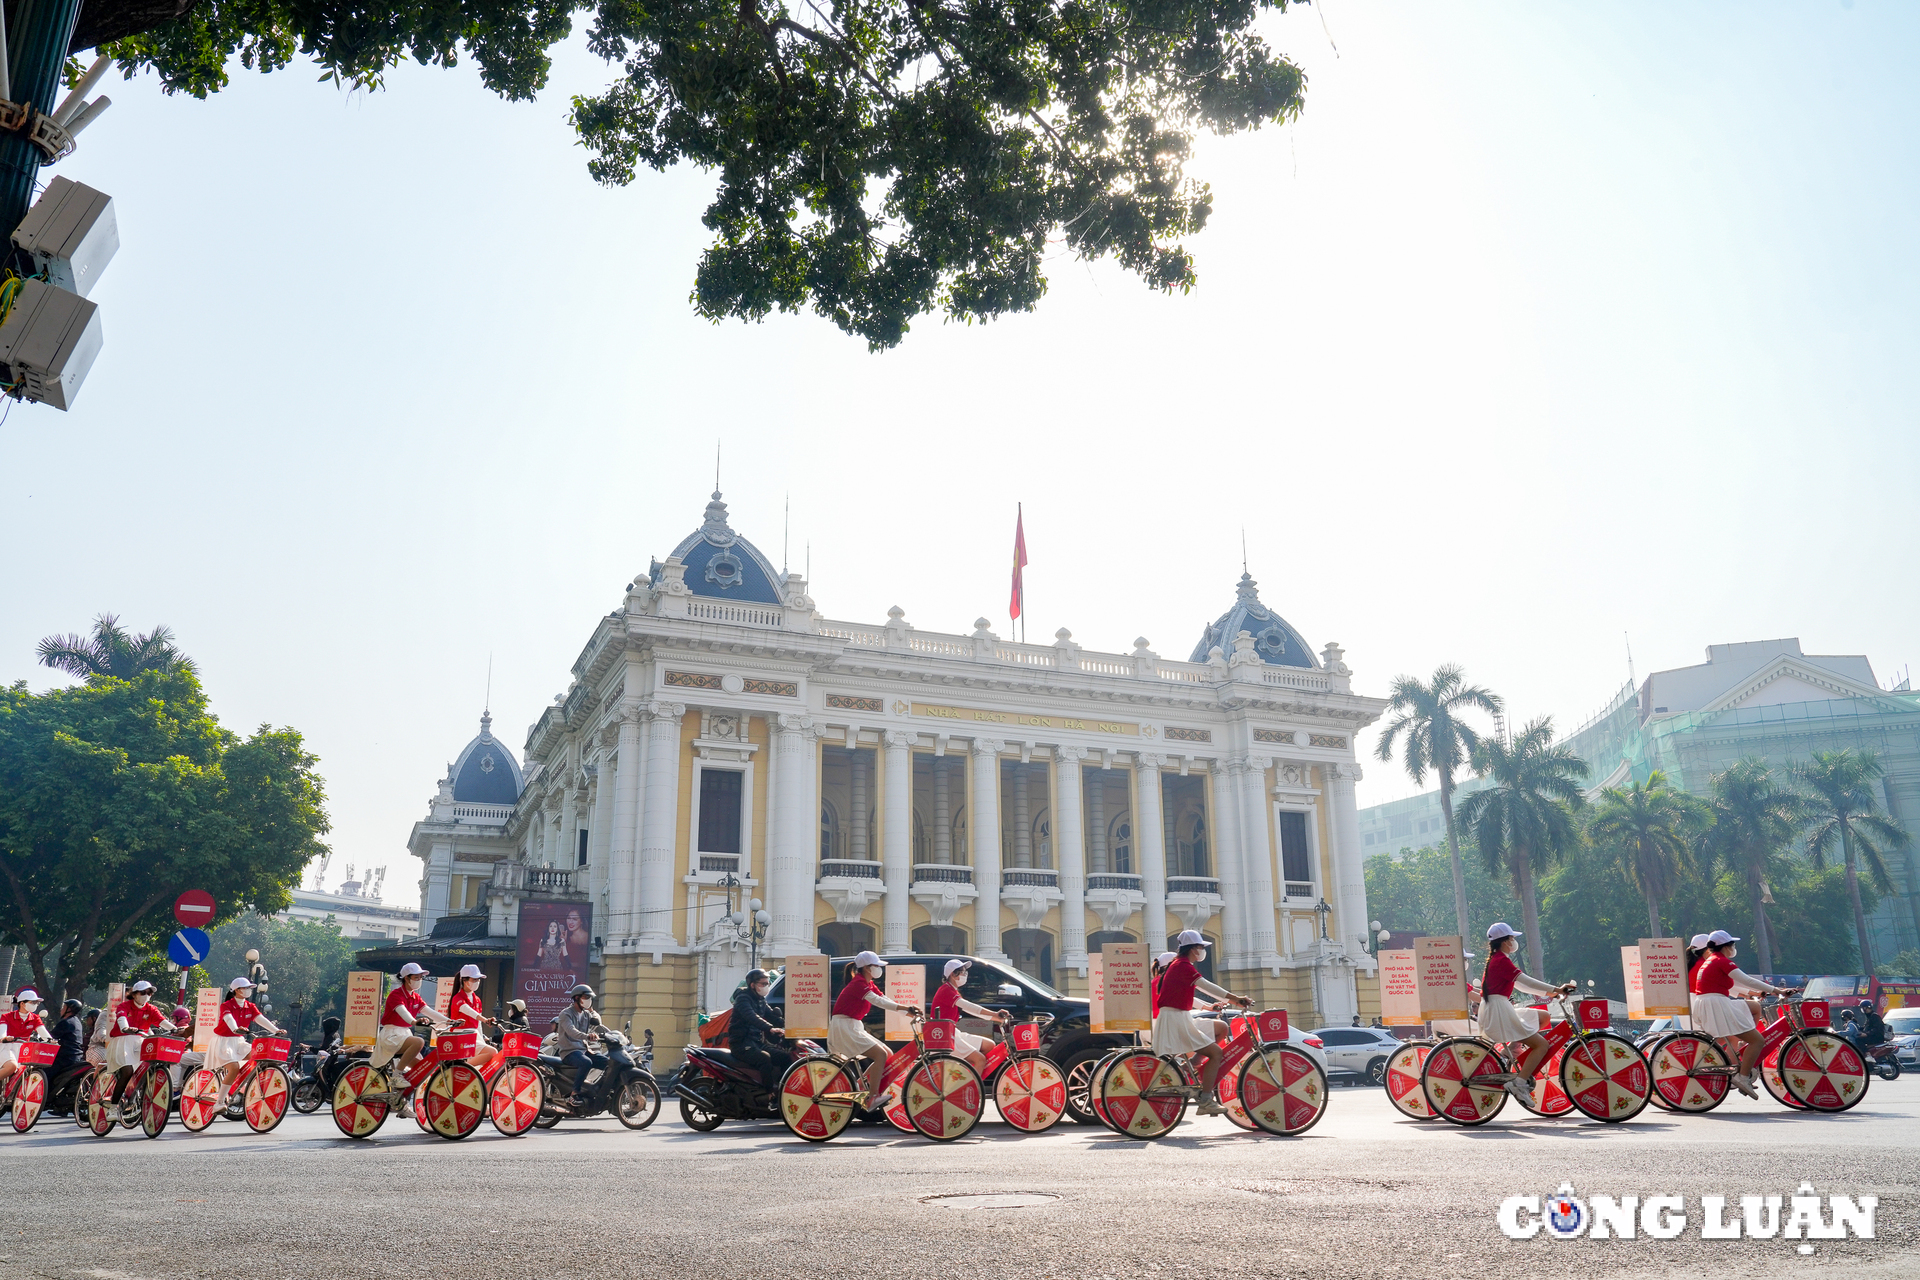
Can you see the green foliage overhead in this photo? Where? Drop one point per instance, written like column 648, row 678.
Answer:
column 1412, row 892
column 1650, row 829
column 306, row 960
column 118, row 795
column 877, row 159
column 112, row 651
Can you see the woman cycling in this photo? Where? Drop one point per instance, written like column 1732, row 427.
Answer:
column 228, row 1047
column 22, row 1022
column 1500, row 1021
column 1719, row 1014
column 1176, row 1030
column 846, row 1033
column 464, row 1009
column 947, row 1005
column 134, row 1019
column 404, row 1007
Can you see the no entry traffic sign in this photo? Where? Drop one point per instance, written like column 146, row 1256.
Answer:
column 194, row 908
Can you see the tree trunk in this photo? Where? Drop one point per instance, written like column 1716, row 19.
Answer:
column 1453, row 852
column 1853, row 892
column 36, row 53
column 1529, row 913
column 1762, row 935
column 6, row 970
column 1653, row 914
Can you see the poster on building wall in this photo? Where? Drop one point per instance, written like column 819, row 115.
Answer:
column 1663, row 978
column 206, row 1012
column 808, row 990
column 1096, row 994
column 362, row 1021
column 1440, row 969
column 1128, row 1005
column 551, row 956
column 907, row 985
column 1636, row 993
column 1399, row 990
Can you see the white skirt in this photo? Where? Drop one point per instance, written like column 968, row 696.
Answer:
column 124, row 1051
column 225, row 1049
column 386, row 1044
column 847, row 1038
column 966, row 1045
column 1721, row 1015
column 9, row 1052
column 1501, row 1023
column 1178, row 1031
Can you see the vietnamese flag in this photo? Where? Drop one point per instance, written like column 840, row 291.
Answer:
column 1019, row 563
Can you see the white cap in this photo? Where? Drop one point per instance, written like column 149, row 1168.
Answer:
column 1719, row 937
column 953, row 967
column 27, row 993
column 142, row 985
column 1166, row 957
column 238, row 983
column 1189, row 938
column 409, row 969
column 1501, row 929
column 866, row 958
column 1697, row 941
column 471, row 971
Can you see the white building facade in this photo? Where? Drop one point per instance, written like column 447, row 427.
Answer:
column 721, row 742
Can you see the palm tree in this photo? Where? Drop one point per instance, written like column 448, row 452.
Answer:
column 1650, row 830
column 1754, row 820
column 1525, row 820
column 1428, row 715
column 1843, row 808
column 110, row 651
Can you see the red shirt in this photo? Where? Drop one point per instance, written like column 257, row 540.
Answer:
column 946, row 1003
column 1714, row 976
column 852, row 1001
column 404, row 1008
column 235, row 1017
column 1177, row 984
column 1497, row 978
column 464, row 1009
column 21, row 1026
column 141, row 1017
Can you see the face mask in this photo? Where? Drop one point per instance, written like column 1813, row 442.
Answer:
column 1199, row 957
column 874, row 971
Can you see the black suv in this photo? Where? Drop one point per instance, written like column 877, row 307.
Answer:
column 997, row 986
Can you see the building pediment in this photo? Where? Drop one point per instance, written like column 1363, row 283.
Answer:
column 1788, row 679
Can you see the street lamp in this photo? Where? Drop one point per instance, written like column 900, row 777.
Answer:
column 749, row 925
column 1323, row 911
column 1377, row 936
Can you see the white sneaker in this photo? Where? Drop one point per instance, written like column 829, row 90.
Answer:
column 1520, row 1091
column 1209, row 1108
column 406, row 1111
column 1744, row 1083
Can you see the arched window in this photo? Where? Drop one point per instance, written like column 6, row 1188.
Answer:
column 960, row 858
column 843, row 940
column 1043, row 843
column 1095, row 939
column 922, row 846
column 1120, row 844
column 940, row 940
column 1190, row 845
column 829, row 831
column 1031, row 951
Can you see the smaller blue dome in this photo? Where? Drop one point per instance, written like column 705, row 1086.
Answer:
column 1273, row 639
column 486, row 772
column 723, row 565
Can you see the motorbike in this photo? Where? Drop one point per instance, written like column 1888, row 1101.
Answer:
column 623, row 1084
column 319, row 1072
column 713, row 1088
column 1884, row 1059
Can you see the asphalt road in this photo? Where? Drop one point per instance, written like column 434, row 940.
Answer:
column 1365, row 1193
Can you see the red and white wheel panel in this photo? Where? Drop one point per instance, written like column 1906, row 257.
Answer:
column 266, row 1097
column 453, row 1101
column 1031, row 1094
column 1403, row 1081
column 1283, row 1090
column 514, row 1101
column 156, row 1102
column 1823, row 1071
column 944, row 1098
column 1675, row 1062
column 1142, row 1095
column 1450, row 1081
column 199, row 1099
column 29, row 1097
column 802, row 1105
column 351, row 1116
column 1606, row 1077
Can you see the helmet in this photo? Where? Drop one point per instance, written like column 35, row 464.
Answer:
column 757, row 975
column 581, row 990
column 520, row 1005
column 1866, row 1004
column 329, row 1025
column 69, row 1003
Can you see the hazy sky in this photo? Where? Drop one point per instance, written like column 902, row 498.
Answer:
column 1546, row 325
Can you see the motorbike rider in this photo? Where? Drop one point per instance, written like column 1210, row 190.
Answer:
column 515, row 1017
column 948, row 1006
column 1873, row 1028
column 464, row 1009
column 22, row 1022
column 754, row 1030
column 578, row 1029
column 70, row 1033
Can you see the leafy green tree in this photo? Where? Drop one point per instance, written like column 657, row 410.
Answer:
column 116, row 796
column 306, row 961
column 1844, row 810
column 1650, row 829
column 1525, row 822
column 1904, row 965
column 1589, row 909
column 877, row 160
column 112, row 651
column 1412, row 892
column 1427, row 718
column 1808, row 904
column 1755, row 818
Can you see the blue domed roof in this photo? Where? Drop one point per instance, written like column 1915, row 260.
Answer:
column 1273, row 639
column 486, row 772
column 722, row 564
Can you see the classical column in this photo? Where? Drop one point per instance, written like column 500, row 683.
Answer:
column 1022, row 819
column 1150, row 837
column 659, row 824
column 569, row 823
column 985, row 826
column 896, row 841
column 439, row 885
column 1349, row 871
column 790, row 869
column 1097, row 819
column 1070, row 856
column 1228, row 863
column 856, row 799
column 1258, row 843
column 942, row 813
column 622, row 859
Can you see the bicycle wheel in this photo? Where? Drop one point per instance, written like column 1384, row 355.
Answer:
column 29, row 1098
column 268, row 1094
column 1096, row 1078
column 1606, row 1077
column 452, row 1101
column 514, row 1101
column 638, row 1103
column 83, row 1098
column 1283, row 1089
column 805, row 1102
column 199, row 1099
column 1449, row 1079
column 359, row 1100
column 1143, row 1094
column 156, row 1102
column 1031, row 1094
column 1690, row 1073
column 1770, row 1076
column 1226, row 1087
column 944, row 1097
column 308, row 1095
column 1403, row 1081
column 1548, row 1098
column 1823, row 1071
column 106, row 1107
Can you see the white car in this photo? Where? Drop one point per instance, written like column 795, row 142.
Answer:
column 1903, row 1029
column 1358, row 1051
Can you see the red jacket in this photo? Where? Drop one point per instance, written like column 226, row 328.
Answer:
column 404, row 1008
column 235, row 1017
column 141, row 1017
column 464, row 1009
column 852, row 1000
column 1177, row 984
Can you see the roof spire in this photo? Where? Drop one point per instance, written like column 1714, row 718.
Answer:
column 716, row 470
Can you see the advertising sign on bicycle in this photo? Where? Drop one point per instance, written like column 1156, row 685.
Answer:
column 1127, row 1001
column 1816, row 1013
column 1442, row 975
column 906, row 985
column 1097, row 994
column 206, row 1012
column 1399, row 990
column 362, row 1022
column 1663, row 978
column 551, row 955
column 1636, row 990
column 809, row 985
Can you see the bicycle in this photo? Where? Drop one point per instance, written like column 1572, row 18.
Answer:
column 262, row 1090
column 1804, row 1064
column 147, row 1099
column 1600, row 1073
column 25, row 1092
column 1264, row 1084
column 940, row 1093
column 516, row 1092
column 444, row 1087
column 1029, row 1090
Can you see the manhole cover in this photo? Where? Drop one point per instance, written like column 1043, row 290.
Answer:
column 992, row 1200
